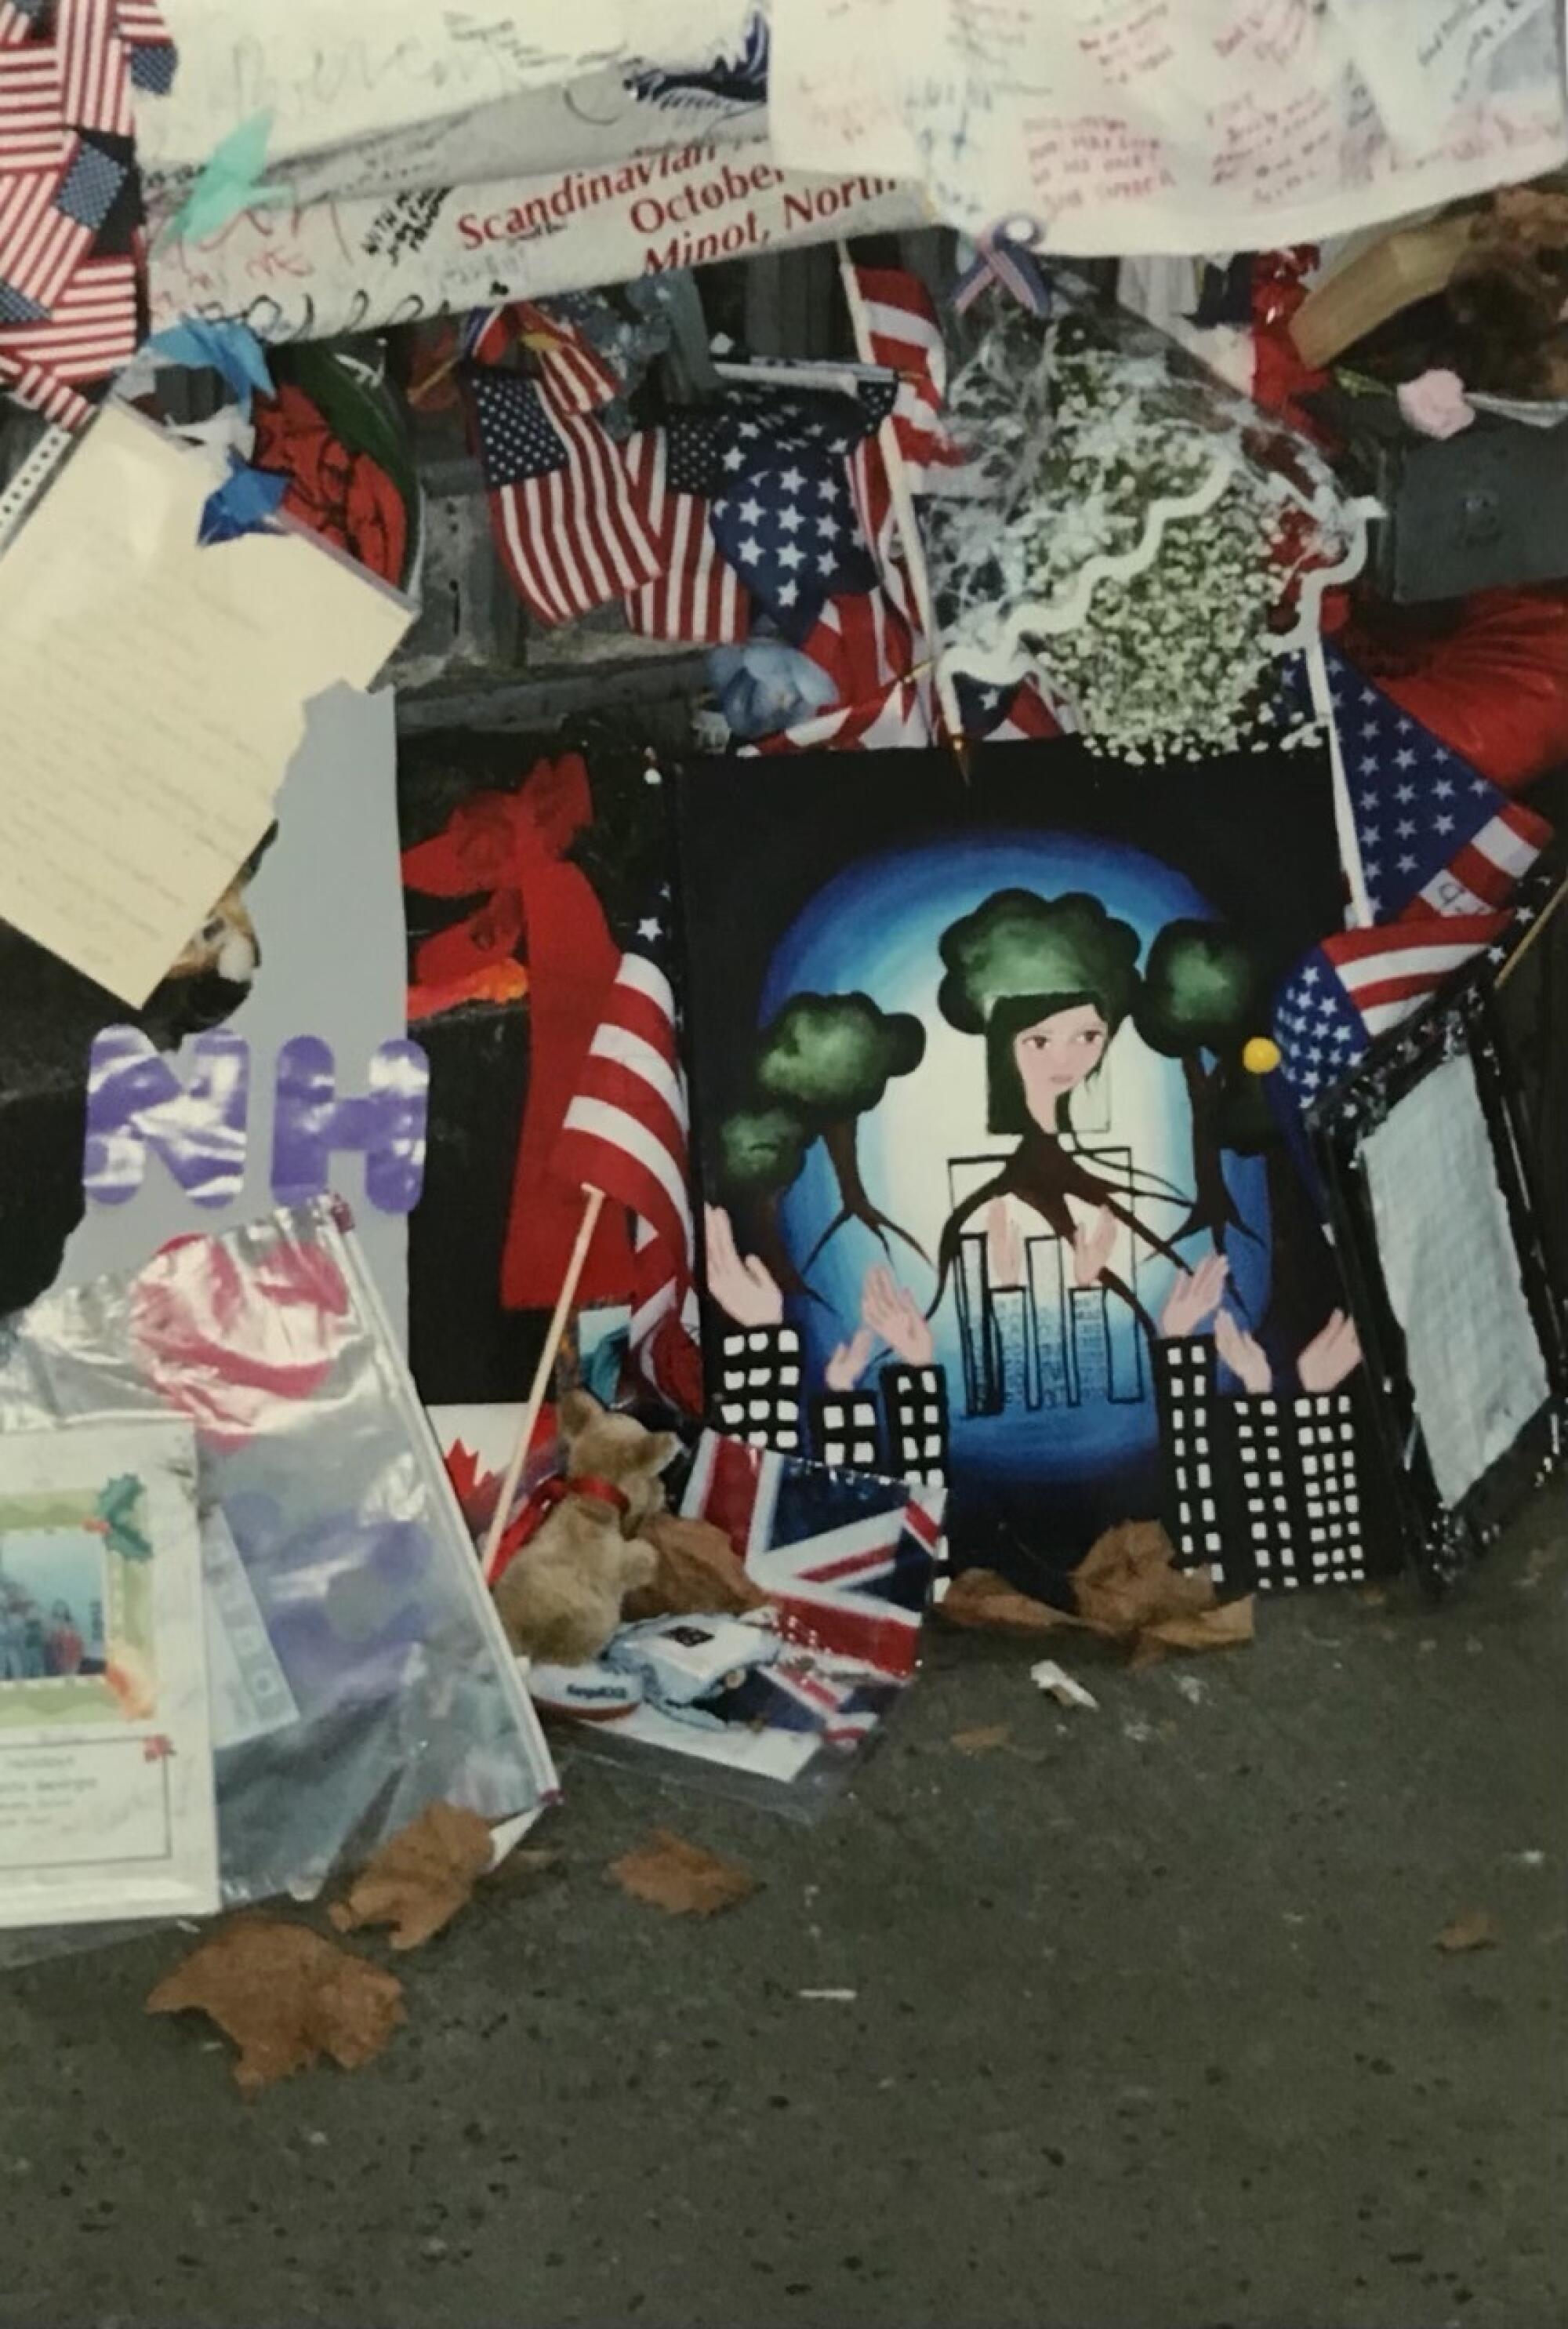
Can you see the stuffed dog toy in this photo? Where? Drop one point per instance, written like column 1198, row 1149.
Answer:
column 560, row 1596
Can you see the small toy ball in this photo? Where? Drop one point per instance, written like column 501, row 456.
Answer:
column 1260, row 1055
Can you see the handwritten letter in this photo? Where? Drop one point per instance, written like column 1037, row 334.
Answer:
column 155, row 694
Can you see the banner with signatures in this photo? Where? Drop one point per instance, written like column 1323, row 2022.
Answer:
column 340, row 264
column 326, row 74
column 1099, row 127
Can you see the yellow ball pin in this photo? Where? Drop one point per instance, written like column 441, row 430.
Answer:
column 1260, row 1055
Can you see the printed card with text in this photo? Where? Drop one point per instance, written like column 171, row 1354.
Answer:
column 106, row 1805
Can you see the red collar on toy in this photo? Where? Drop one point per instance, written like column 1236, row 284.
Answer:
column 543, row 1502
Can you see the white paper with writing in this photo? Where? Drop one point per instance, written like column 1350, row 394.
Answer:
column 1452, row 1273
column 154, row 692
column 1094, row 126
column 342, row 266
column 106, row 1804
column 329, row 71
column 334, row 963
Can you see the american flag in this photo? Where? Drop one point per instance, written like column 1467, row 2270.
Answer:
column 698, row 596
column 847, row 1558
column 1436, row 837
column 568, row 521
column 1004, row 715
column 32, row 132
column 785, row 520
column 1358, row 984
column 580, row 379
column 69, row 317
column 904, row 334
column 90, row 330
column 41, row 245
column 872, row 496
column 92, row 60
column 627, row 1133
column 899, row 714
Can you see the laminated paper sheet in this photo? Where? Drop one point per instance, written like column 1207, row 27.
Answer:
column 1107, row 126
column 155, row 694
column 1452, row 1275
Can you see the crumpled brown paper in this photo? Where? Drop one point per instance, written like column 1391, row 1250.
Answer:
column 285, row 1996
column 681, row 1877
column 980, row 1599
column 699, row 1573
column 982, row 1741
column 1127, row 1588
column 1477, row 1928
column 420, row 1877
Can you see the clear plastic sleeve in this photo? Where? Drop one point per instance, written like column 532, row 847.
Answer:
column 360, row 1672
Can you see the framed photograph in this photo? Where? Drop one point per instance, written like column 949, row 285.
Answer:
column 106, row 1763
column 1432, row 1181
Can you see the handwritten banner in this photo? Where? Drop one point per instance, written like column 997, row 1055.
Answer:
column 1097, row 126
column 331, row 72
column 319, row 268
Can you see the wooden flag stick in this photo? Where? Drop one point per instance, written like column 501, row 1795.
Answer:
column 593, row 1203
column 903, row 517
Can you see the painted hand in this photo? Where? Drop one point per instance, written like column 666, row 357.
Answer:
column 1091, row 1247
column 1004, row 1247
column 1243, row 1355
column 1195, row 1297
column 1330, row 1355
column 745, row 1290
column 848, row 1363
column 892, row 1313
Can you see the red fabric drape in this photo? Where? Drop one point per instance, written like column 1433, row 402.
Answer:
column 512, row 846
column 1493, row 685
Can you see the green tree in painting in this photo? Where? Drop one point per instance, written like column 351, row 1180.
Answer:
column 829, row 1059
column 760, row 1154
column 1199, row 1001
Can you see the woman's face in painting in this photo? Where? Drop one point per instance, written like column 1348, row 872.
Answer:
column 1054, row 1055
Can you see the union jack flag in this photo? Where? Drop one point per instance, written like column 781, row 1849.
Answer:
column 847, row 1558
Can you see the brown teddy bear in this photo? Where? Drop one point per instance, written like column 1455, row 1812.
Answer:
column 560, row 1597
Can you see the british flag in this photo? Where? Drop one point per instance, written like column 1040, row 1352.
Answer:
column 847, row 1558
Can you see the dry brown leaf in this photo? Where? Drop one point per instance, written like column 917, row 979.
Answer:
column 1477, row 1928
column 699, row 1573
column 989, row 1735
column 1225, row 1626
column 1127, row 1588
column 420, row 1877
column 980, row 1599
column 1128, row 1581
column 681, row 1877
column 285, row 1995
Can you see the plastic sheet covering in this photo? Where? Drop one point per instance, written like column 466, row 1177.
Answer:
column 1138, row 531
column 358, row 1671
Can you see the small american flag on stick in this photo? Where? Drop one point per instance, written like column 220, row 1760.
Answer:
column 626, row 1134
column 698, row 597
column 564, row 503
column 625, row 1141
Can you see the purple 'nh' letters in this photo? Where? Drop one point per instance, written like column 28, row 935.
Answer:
column 135, row 1101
